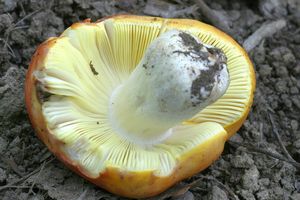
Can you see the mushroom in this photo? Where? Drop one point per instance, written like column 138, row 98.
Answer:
column 135, row 104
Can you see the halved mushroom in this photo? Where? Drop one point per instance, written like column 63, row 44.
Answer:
column 135, row 104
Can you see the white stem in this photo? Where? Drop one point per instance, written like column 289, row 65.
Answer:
column 177, row 77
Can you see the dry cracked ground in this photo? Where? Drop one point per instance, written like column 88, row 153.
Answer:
column 261, row 162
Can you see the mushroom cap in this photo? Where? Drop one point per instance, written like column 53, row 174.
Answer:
column 210, row 128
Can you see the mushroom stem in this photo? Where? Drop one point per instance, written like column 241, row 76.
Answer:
column 177, row 77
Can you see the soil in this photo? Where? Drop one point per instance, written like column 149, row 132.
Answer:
column 247, row 169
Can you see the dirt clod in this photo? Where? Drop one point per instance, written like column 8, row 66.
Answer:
column 250, row 179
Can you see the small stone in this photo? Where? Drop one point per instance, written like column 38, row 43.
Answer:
column 186, row 196
column 218, row 194
column 250, row 179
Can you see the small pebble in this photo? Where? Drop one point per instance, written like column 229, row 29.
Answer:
column 218, row 194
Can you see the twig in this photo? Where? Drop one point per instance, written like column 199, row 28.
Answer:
column 266, row 152
column 26, row 17
column 275, row 131
column 14, row 26
column 215, row 17
column 34, row 181
column 22, row 8
column 11, row 52
column 20, row 27
column 12, row 184
column 266, row 30
column 19, row 186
